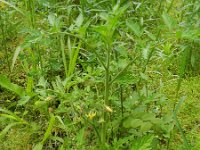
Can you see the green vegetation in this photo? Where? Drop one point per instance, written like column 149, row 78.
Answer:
column 99, row 74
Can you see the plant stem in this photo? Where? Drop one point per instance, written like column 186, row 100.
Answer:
column 107, row 91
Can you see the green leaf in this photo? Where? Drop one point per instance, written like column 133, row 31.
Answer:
column 169, row 22
column 11, row 115
column 16, row 53
column 23, row 100
column 148, row 117
column 49, row 129
column 150, row 35
column 38, row 146
column 80, row 137
column 5, row 82
column 51, row 19
column 146, row 126
column 132, row 123
column 143, row 143
column 7, row 128
column 118, row 144
column 135, row 27
column 56, row 138
column 79, row 20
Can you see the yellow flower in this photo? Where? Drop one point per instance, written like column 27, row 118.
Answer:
column 91, row 115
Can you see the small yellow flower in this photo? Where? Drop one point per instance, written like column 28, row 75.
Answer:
column 108, row 109
column 91, row 115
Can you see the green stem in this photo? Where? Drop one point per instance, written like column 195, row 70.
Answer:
column 107, row 91
column 122, row 71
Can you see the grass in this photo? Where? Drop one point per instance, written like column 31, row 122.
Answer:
column 99, row 74
column 189, row 112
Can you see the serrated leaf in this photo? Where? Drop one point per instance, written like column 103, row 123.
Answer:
column 135, row 27
column 169, row 22
column 150, row 35
column 143, row 143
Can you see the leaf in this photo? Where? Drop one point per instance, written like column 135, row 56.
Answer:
column 145, row 52
column 146, row 126
column 143, row 143
column 148, row 117
column 56, row 138
column 132, row 123
column 150, row 35
column 23, row 100
column 49, row 129
column 73, row 59
column 38, row 146
column 11, row 115
column 79, row 20
column 168, row 20
column 17, row 51
column 7, row 128
column 182, row 99
column 51, row 19
column 193, row 60
column 126, row 79
column 5, row 82
column 135, row 27
column 80, row 137
column 118, row 144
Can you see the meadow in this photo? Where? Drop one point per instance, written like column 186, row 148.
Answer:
column 99, row 74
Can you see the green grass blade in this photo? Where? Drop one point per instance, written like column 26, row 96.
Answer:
column 187, row 146
column 7, row 128
column 6, row 83
column 17, row 51
column 11, row 115
column 50, row 127
column 73, row 59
